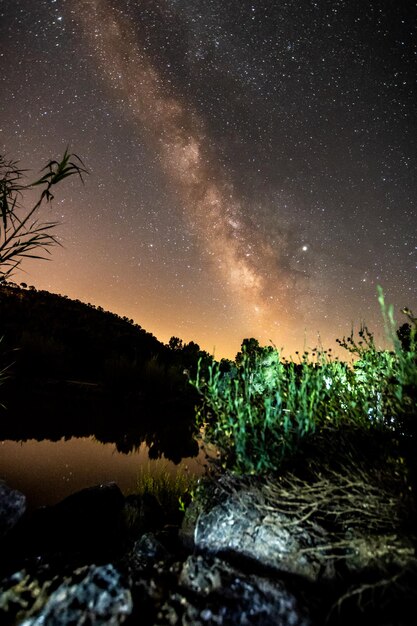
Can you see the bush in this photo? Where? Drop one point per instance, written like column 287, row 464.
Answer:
column 259, row 411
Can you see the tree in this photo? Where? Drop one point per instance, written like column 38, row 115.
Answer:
column 21, row 234
column 407, row 333
column 404, row 335
column 250, row 349
column 175, row 344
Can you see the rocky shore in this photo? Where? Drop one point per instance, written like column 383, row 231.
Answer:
column 336, row 549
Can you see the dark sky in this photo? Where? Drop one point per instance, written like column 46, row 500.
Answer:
column 253, row 164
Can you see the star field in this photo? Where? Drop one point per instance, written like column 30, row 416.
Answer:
column 252, row 163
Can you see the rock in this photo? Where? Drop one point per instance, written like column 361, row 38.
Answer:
column 143, row 513
column 337, row 525
column 87, row 522
column 149, row 548
column 145, row 554
column 265, row 549
column 99, row 504
column 12, row 507
column 98, row 599
column 222, row 595
column 340, row 542
column 237, row 526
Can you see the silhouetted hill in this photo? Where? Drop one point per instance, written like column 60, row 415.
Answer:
column 51, row 325
column 69, row 356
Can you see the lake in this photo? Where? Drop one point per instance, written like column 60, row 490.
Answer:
column 47, row 471
column 56, row 439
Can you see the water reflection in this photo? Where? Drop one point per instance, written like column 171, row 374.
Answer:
column 59, row 411
column 47, row 471
column 53, row 444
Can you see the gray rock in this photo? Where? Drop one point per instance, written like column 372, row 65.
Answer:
column 236, row 525
column 150, row 548
column 98, row 599
column 250, row 519
column 12, row 507
column 231, row 597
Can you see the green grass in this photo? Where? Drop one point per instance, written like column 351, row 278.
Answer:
column 172, row 488
column 260, row 411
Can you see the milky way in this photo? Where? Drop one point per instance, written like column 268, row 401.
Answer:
column 252, row 161
column 242, row 258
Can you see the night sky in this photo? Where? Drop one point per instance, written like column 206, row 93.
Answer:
column 252, row 163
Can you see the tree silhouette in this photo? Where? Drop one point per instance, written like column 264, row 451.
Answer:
column 407, row 333
column 404, row 335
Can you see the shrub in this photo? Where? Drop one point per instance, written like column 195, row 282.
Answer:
column 262, row 408
column 258, row 412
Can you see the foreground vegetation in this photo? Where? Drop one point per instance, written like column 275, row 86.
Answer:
column 261, row 410
column 326, row 451
column 22, row 236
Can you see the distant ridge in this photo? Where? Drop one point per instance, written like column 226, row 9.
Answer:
column 62, row 353
column 77, row 338
column 73, row 369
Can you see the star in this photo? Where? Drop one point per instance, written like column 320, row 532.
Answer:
column 219, row 136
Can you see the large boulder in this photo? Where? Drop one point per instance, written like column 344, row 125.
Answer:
column 235, row 524
column 212, row 592
column 88, row 523
column 340, row 539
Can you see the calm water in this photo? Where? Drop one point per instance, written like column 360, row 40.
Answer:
column 47, row 471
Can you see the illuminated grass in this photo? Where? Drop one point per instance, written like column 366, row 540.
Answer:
column 172, row 488
column 262, row 408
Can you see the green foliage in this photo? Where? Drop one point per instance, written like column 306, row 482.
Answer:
column 260, row 409
column 21, row 235
column 173, row 489
column 257, row 413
